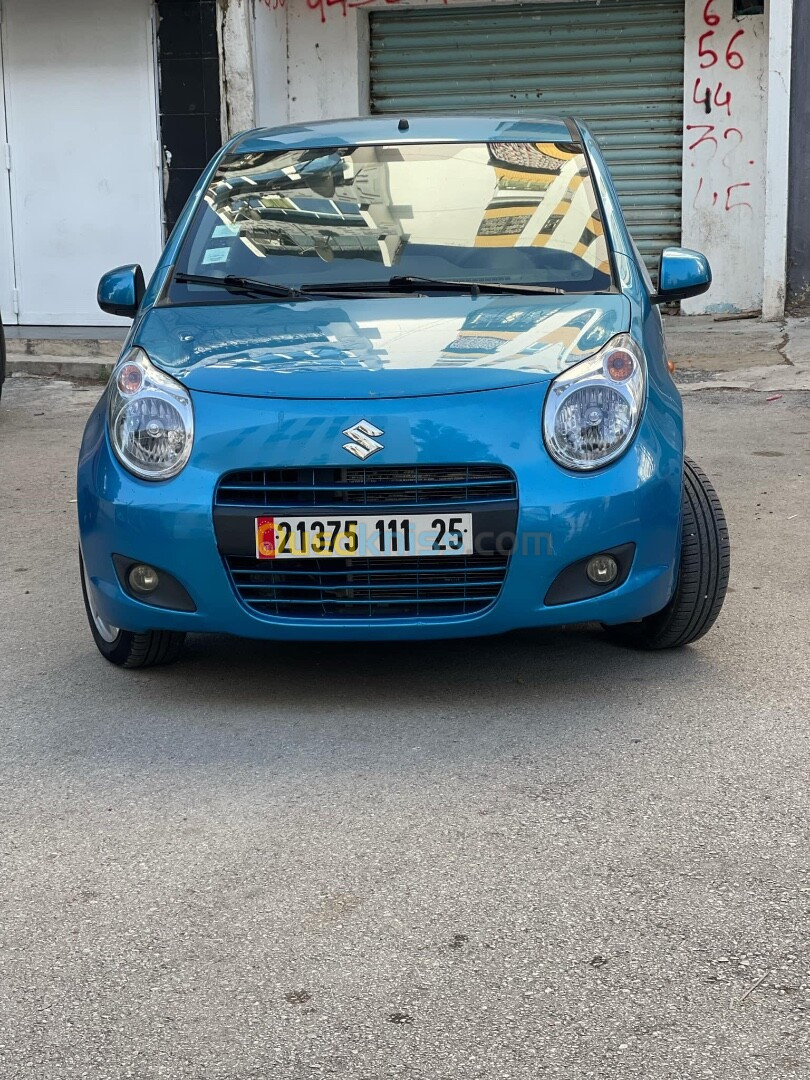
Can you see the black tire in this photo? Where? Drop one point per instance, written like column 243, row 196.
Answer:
column 702, row 573
column 128, row 649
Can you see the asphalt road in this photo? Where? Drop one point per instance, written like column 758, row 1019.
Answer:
column 534, row 856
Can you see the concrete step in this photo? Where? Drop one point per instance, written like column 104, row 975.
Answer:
column 81, row 348
column 91, row 369
column 699, row 343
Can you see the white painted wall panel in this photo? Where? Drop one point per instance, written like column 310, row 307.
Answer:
column 270, row 63
column 777, row 82
column 82, row 124
column 326, row 66
column 724, row 152
column 7, row 312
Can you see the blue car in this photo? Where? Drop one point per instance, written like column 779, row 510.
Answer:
column 397, row 379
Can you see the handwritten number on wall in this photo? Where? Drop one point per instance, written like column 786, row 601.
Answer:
column 733, row 58
column 726, row 134
column 715, row 96
column 705, row 137
column 729, row 204
column 322, row 6
column 711, row 18
column 707, row 51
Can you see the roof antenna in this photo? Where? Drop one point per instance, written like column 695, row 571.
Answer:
column 403, row 124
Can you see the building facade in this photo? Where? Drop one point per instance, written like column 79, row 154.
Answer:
column 113, row 107
column 110, row 110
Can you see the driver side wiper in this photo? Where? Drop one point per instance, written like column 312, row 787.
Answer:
column 248, row 286
column 407, row 282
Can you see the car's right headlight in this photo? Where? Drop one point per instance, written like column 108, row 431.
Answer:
column 593, row 409
column 150, row 418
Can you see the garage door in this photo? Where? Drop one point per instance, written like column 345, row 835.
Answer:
column 617, row 64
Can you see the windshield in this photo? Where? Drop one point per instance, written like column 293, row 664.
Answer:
column 506, row 213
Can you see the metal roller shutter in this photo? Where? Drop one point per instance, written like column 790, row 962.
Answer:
column 617, row 64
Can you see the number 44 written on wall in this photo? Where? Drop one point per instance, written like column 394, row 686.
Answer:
column 717, row 57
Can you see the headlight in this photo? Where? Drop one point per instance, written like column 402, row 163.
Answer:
column 150, row 419
column 593, row 409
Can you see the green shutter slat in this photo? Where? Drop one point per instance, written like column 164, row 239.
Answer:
column 616, row 64
column 619, row 15
column 623, row 52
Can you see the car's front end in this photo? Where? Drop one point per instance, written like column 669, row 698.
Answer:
column 359, row 460
column 480, row 452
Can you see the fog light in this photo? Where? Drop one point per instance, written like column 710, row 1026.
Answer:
column 602, row 569
column 143, row 579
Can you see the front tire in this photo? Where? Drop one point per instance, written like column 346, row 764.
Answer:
column 126, row 648
column 702, row 572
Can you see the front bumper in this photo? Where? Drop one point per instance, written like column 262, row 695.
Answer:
column 562, row 518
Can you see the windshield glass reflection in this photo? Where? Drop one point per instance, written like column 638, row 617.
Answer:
column 512, row 213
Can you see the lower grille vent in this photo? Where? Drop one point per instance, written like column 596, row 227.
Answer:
column 382, row 588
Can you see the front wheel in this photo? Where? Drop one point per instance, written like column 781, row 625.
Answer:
column 702, row 572
column 126, row 648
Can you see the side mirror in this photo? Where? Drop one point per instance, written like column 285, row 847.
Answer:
column 681, row 273
column 120, row 291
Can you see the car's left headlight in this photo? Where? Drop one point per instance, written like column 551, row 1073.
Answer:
column 150, row 418
column 593, row 409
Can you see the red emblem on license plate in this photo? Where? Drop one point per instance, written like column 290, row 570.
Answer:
column 265, row 538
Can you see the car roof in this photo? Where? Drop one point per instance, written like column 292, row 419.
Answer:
column 390, row 129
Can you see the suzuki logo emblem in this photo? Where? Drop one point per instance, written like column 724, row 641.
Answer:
column 363, row 443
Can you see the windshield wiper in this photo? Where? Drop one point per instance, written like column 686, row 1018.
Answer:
column 482, row 286
column 406, row 283
column 248, row 286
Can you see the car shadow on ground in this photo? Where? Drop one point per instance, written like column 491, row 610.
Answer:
column 234, row 703
column 569, row 665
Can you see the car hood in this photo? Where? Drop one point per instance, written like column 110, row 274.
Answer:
column 378, row 347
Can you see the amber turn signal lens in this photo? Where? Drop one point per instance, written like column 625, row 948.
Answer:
column 620, row 365
column 130, row 379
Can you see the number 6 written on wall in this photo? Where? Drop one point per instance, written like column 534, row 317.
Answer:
column 734, row 59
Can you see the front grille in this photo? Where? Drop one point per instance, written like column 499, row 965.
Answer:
column 380, row 588
column 367, row 486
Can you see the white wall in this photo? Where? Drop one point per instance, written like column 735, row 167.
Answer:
column 85, row 188
column 724, row 153
column 328, row 62
column 724, row 198
column 270, row 62
column 777, row 85
column 236, row 74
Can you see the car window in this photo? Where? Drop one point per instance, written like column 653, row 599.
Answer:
column 510, row 213
column 642, row 268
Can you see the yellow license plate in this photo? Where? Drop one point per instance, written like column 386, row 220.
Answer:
column 364, row 537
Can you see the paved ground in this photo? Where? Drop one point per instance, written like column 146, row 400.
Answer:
column 537, row 856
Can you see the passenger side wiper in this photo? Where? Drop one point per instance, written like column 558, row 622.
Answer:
column 407, row 283
column 482, row 286
column 248, row 286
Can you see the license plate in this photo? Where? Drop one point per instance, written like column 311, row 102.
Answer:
column 364, row 537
